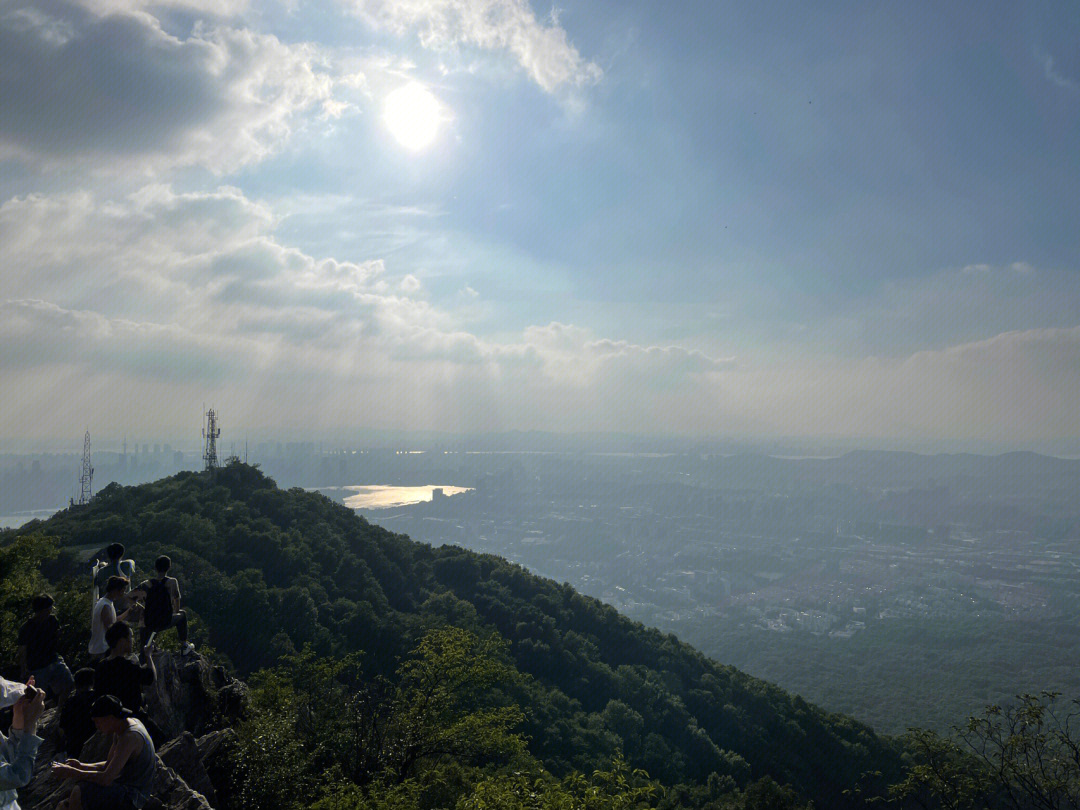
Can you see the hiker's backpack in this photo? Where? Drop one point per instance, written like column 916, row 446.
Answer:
column 158, row 613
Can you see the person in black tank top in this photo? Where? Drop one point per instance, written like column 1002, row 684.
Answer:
column 163, row 605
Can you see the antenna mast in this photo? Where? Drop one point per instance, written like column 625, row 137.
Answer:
column 86, row 480
column 211, row 433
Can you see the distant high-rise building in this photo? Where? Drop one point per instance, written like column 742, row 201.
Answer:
column 157, row 449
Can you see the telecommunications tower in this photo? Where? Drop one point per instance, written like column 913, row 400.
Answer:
column 86, row 480
column 211, row 433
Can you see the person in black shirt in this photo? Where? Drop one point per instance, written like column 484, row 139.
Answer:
column 162, row 608
column 37, row 650
column 76, row 722
column 121, row 676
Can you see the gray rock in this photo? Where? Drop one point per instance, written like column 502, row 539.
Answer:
column 184, row 757
column 171, row 791
column 192, row 695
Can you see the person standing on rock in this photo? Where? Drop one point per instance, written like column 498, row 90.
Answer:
column 115, row 567
column 125, row 780
column 37, row 650
column 121, row 676
column 19, row 748
column 105, row 615
column 162, row 609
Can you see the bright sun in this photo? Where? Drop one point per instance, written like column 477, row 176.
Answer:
column 413, row 116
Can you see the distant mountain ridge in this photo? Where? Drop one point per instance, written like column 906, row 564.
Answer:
column 268, row 571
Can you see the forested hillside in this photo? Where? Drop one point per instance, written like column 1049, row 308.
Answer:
column 270, row 572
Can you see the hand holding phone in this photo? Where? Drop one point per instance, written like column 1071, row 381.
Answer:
column 28, row 709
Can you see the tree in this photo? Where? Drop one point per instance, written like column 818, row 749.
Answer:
column 20, row 564
column 442, row 704
column 1025, row 756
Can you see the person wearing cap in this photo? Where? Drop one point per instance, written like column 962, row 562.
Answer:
column 125, row 780
column 19, row 748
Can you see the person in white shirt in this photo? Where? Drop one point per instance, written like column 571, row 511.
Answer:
column 105, row 616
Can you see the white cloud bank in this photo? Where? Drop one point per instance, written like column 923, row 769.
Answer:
column 543, row 51
column 134, row 311
column 117, row 92
column 141, row 308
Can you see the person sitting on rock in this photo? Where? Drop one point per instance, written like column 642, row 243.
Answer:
column 37, row 650
column 125, row 780
column 19, row 748
column 76, row 722
column 105, row 615
column 123, row 677
column 115, row 567
column 162, row 608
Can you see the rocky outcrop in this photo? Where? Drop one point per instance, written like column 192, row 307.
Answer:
column 192, row 695
column 193, row 703
column 184, row 757
column 45, row 791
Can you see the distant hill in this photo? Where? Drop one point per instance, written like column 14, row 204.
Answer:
column 269, row 571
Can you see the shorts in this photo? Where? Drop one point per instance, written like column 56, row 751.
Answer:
column 54, row 677
column 99, row 797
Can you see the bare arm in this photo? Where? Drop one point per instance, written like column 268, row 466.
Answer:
column 85, row 767
column 149, row 672
column 102, row 773
column 108, row 616
column 118, row 757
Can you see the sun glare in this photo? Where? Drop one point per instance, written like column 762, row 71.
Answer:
column 413, row 115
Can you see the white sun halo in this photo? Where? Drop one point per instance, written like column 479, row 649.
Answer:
column 413, row 115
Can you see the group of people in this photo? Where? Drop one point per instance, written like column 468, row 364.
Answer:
column 107, row 697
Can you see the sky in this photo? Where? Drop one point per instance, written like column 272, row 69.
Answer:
column 696, row 218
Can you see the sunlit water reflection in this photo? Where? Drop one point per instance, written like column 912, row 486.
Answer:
column 379, row 496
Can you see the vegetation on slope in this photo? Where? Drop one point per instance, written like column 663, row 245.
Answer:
column 271, row 573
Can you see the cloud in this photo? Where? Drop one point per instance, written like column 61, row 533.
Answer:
column 544, row 51
column 115, row 91
column 1053, row 75
column 1017, row 385
column 39, row 333
column 168, row 294
column 945, row 308
column 161, row 298
column 410, row 284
